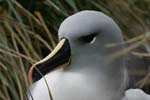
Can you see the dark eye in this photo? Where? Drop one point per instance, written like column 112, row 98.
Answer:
column 88, row 39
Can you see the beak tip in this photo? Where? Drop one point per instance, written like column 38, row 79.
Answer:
column 30, row 72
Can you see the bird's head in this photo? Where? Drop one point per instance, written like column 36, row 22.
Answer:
column 83, row 40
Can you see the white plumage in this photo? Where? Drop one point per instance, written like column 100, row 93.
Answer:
column 89, row 76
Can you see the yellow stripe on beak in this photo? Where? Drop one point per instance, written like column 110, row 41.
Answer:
column 59, row 56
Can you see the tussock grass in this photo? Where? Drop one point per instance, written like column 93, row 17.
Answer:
column 28, row 32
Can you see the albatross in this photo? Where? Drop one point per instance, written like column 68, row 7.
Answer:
column 79, row 68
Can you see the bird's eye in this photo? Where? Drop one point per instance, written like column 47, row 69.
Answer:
column 88, row 39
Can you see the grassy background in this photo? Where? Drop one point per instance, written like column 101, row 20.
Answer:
column 28, row 32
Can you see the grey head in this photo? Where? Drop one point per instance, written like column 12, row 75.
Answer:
column 88, row 33
column 84, row 26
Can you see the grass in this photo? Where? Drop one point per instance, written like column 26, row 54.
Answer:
column 28, row 32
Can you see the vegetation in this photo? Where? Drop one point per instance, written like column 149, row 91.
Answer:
column 28, row 32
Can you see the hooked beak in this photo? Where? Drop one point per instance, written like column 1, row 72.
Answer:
column 61, row 55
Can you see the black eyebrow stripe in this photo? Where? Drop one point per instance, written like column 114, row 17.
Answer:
column 88, row 38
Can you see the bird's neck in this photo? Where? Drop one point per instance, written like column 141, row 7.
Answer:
column 111, row 76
